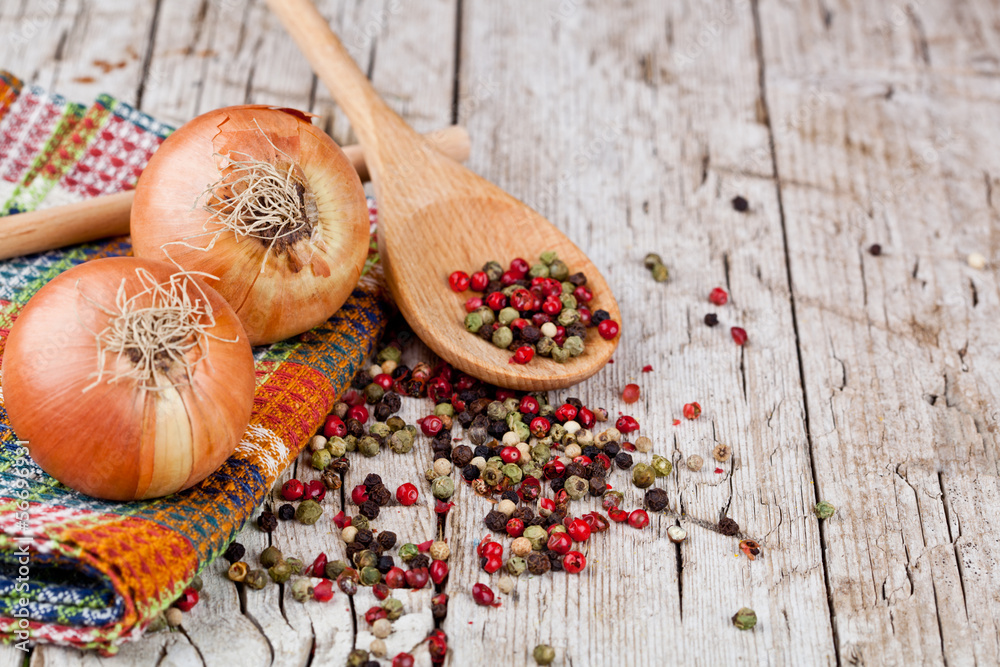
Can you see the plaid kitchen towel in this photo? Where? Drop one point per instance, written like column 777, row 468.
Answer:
column 88, row 573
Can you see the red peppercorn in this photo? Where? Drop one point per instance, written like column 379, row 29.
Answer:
column 522, row 355
column 546, row 505
column 608, row 329
column 631, row 393
column 383, row 380
column 618, row 515
column 553, row 469
column 647, row 369
column 334, row 427
column 515, row 527
column 395, row 578
column 538, row 319
column 503, row 394
column 560, row 542
column 418, row 577
column 359, row 412
column 596, row 521
column 739, row 335
column 492, row 565
column 551, row 306
column 583, row 294
column 315, row 490
column 519, row 266
column 518, row 324
column 431, row 426
column 318, row 567
column 404, row 659
column 627, row 424
column 359, row 494
column 638, row 519
column 439, row 571
column 574, row 562
column 691, row 410
column 718, row 296
column 565, row 412
column 553, row 287
column 407, row 494
column 529, row 405
column 438, row 389
column 585, row 417
column 323, row 591
column 341, row 520
column 459, row 281
column 509, row 278
column 521, row 300
column 292, row 490
column 578, row 530
column 490, row 549
column 472, row 303
column 539, row 427
column 530, row 488
column 510, row 454
column 374, row 614
column 483, row 595
column 437, row 646
column 187, row 600
column 380, row 590
column 478, row 281
column 465, row 382
column 603, row 459
column 496, row 300
column 353, row 397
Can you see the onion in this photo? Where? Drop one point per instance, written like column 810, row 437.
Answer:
column 128, row 380
column 265, row 202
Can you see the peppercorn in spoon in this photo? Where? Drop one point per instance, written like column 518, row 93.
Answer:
column 435, row 217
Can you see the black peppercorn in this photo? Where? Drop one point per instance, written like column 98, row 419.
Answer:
column 353, row 549
column 364, row 537
column 385, row 563
column 478, row 406
column 591, row 452
column 361, row 380
column 267, row 522
column 875, row 250
column 575, row 469
column 575, row 402
column 483, row 451
column 496, row 521
column 400, row 371
column 371, row 479
column 461, row 455
column 536, row 520
column 419, row 561
column 355, row 428
column 497, row 429
column 599, row 316
column 598, row 486
column 464, row 418
column 577, row 279
column 558, row 484
column 740, row 204
column 531, row 334
column 387, row 539
column 382, row 412
column 380, row 495
column 286, row 512
column 392, row 401
column 623, row 460
column 376, row 548
column 235, row 552
column 555, row 561
column 369, row 509
column 470, row 472
column 711, row 319
column 611, row 449
column 656, row 500
column 510, row 495
column 728, row 527
column 439, row 611
column 525, row 514
column 577, row 329
column 538, row 563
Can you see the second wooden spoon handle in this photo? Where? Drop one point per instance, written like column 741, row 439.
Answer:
column 108, row 215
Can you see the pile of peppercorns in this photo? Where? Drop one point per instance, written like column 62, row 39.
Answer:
column 532, row 309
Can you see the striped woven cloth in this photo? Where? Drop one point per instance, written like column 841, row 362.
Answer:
column 87, row 573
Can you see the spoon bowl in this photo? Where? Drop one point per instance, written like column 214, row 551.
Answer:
column 436, row 217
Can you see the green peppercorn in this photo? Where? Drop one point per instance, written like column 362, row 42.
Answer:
column 493, row 270
column 745, row 618
column 651, row 260
column 560, row 355
column 297, row 565
column 374, row 393
column 395, row 423
column 443, row 488
column 350, row 443
column 336, row 446
column 370, row 576
column 568, row 316
column 357, row 658
column 308, row 512
column 334, row 568
column 548, row 257
column 321, row 459
column 496, row 411
column 544, row 654
column 513, row 472
column 444, row 410
column 825, row 510
column 393, row 608
column 643, row 475
column 516, row 565
column 368, row 446
column 567, row 287
column 558, row 270
column 390, row 353
column 366, row 558
column 568, row 302
column 280, row 572
column 537, row 535
column 541, row 454
column 408, row 552
column 557, row 432
column 503, row 337
column 544, row 347
column 380, row 430
column 270, row 556
column 662, row 466
column 360, row 522
column 507, row 315
column 473, row 322
column 546, row 410
column 486, row 315
column 302, row 589
column 522, row 431
column 573, row 345
column 491, row 475
column 539, row 271
column 496, row 462
column 576, row 487
column 510, row 289
column 256, row 579
column 660, row 273
column 401, row 441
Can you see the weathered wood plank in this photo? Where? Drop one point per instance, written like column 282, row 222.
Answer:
column 898, row 350
column 626, row 129
column 12, row 657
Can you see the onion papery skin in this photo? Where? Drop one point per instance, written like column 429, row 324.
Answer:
column 118, row 441
column 286, row 298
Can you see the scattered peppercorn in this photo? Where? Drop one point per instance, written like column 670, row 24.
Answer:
column 711, row 319
column 234, row 552
column 740, row 204
column 643, row 475
column 728, row 527
column 657, row 499
column 267, row 522
column 544, row 654
column 722, row 453
column 308, row 512
column 745, row 618
column 825, row 510
column 286, row 512
column 875, row 250
column 695, row 463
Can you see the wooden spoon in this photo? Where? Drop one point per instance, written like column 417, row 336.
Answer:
column 436, row 217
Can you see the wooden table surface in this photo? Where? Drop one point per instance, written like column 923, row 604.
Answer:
column 868, row 381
